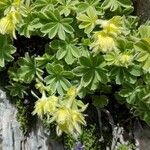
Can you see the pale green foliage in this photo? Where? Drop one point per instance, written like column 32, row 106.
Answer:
column 88, row 20
column 56, row 25
column 66, row 6
column 66, row 50
column 143, row 47
column 120, row 5
column 28, row 69
column 91, row 45
column 58, row 78
column 6, row 51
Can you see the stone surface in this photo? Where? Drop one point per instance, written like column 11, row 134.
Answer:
column 142, row 9
column 11, row 138
column 142, row 136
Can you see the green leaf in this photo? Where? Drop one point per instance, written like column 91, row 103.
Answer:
column 44, row 5
column 43, row 60
column 6, row 51
column 83, row 6
column 143, row 49
column 122, row 74
column 121, row 5
column 13, row 76
column 29, row 22
column 53, row 24
column 66, row 6
column 67, row 50
column 92, row 71
column 28, row 69
column 58, row 78
column 130, row 92
column 88, row 20
column 144, row 31
column 16, row 89
column 4, row 4
column 100, row 101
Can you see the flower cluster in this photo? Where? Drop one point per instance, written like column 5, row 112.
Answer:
column 9, row 21
column 104, row 40
column 66, row 112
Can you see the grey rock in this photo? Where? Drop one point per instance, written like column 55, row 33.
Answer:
column 11, row 137
column 142, row 9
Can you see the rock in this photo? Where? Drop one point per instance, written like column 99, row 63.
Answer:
column 142, row 136
column 142, row 9
column 11, row 137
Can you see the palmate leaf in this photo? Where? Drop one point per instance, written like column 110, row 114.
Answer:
column 113, row 5
column 144, row 31
column 67, row 50
column 4, row 4
column 29, row 22
column 123, row 74
column 53, row 24
column 28, row 69
column 66, row 6
column 16, row 89
column 100, row 101
column 143, row 49
column 130, row 92
column 84, row 5
column 58, row 78
column 7, row 6
column 42, row 61
column 92, row 71
column 143, row 111
column 6, row 50
column 43, row 5
column 12, row 72
column 88, row 20
column 137, row 95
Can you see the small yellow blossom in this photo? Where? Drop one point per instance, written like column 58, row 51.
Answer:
column 17, row 3
column 8, row 23
column 51, row 104
column 39, row 107
column 112, row 26
column 45, row 105
column 72, row 92
column 69, row 121
column 125, row 59
column 103, row 42
column 62, row 115
column 66, row 112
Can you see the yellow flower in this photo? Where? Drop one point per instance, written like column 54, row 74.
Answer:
column 51, row 104
column 69, row 121
column 103, row 42
column 64, row 112
column 8, row 23
column 78, row 117
column 125, row 59
column 62, row 115
column 72, row 92
column 64, row 121
column 39, row 107
column 45, row 105
column 112, row 26
column 17, row 2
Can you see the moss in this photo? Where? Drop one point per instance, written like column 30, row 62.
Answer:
column 89, row 139
column 22, row 116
